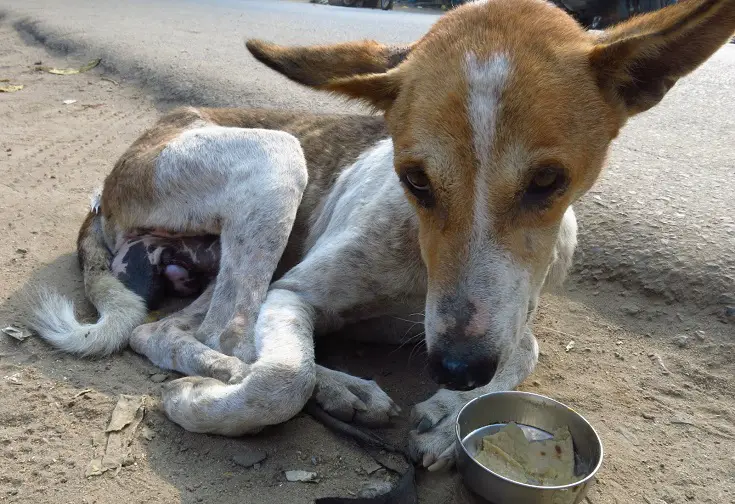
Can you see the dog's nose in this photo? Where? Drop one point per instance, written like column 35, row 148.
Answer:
column 462, row 373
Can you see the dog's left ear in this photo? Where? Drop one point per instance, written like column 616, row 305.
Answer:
column 638, row 61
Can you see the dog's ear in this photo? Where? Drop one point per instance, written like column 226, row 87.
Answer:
column 638, row 61
column 359, row 70
column 315, row 66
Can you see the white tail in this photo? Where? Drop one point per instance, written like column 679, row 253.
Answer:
column 120, row 310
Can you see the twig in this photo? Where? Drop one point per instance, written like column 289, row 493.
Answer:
column 660, row 361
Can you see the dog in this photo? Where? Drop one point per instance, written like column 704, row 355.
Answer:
column 457, row 201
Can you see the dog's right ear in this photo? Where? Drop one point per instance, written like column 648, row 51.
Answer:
column 316, row 66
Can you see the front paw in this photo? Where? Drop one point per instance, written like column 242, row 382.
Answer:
column 431, row 442
column 353, row 399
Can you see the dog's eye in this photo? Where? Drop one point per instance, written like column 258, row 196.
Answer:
column 545, row 183
column 418, row 180
column 419, row 184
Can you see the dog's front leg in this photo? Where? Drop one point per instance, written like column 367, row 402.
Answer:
column 432, row 438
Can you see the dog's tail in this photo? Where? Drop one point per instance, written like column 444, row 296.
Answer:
column 120, row 310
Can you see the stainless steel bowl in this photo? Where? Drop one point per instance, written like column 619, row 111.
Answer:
column 537, row 416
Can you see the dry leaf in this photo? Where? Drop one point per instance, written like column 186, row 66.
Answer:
column 70, row 71
column 11, row 88
column 113, row 447
column 16, row 333
column 125, row 412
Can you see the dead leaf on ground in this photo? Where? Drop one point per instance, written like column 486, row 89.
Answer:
column 11, row 88
column 16, row 333
column 118, row 437
column 70, row 71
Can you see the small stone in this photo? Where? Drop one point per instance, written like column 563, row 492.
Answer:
column 374, row 489
column 619, row 342
column 730, row 313
column 301, row 476
column 315, row 460
column 257, row 466
column 631, row 309
column 250, row 458
column 648, row 416
column 700, row 335
column 628, row 435
column 536, row 383
column 158, row 377
column 371, row 467
column 570, row 346
column 147, row 433
column 21, row 251
column 618, row 355
column 682, row 340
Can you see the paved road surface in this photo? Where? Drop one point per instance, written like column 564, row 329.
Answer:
column 661, row 219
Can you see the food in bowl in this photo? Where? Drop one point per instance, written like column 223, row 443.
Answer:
column 548, row 462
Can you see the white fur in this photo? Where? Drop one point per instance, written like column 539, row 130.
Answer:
column 120, row 311
column 485, row 82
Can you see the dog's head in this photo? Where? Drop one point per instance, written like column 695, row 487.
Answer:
column 501, row 117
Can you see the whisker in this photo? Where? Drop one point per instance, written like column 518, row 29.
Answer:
column 407, row 341
column 409, row 321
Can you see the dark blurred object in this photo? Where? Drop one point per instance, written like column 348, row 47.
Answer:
column 593, row 14
column 372, row 4
column 598, row 14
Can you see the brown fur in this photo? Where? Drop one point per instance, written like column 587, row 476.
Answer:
column 569, row 94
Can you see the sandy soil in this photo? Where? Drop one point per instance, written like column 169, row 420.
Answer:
column 669, row 433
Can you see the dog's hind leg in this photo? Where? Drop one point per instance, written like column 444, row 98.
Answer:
column 276, row 388
column 170, row 344
column 246, row 185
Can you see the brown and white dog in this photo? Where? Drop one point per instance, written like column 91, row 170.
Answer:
column 457, row 201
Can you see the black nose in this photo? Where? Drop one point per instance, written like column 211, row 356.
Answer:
column 462, row 373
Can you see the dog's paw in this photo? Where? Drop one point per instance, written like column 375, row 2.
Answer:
column 228, row 369
column 431, row 442
column 198, row 404
column 353, row 399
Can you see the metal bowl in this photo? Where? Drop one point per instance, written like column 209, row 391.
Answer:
column 536, row 415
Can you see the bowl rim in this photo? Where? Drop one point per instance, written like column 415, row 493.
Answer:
column 527, row 485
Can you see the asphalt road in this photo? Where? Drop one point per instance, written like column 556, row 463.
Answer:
column 661, row 219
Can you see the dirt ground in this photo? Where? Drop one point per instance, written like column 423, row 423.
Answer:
column 664, row 405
